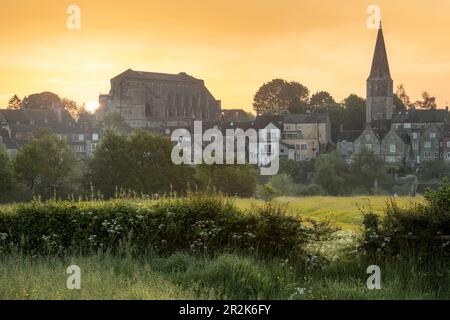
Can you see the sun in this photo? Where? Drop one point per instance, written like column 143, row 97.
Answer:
column 92, row 106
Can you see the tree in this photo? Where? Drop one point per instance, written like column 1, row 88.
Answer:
column 73, row 107
column 299, row 171
column 405, row 99
column 331, row 173
column 43, row 100
column 280, row 96
column 354, row 112
column 15, row 102
column 45, row 164
column 321, row 99
column 140, row 163
column 109, row 167
column 115, row 122
column 6, row 174
column 367, row 171
column 398, row 104
column 428, row 101
column 434, row 170
column 233, row 180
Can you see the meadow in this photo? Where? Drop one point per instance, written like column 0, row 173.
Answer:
column 332, row 268
column 343, row 211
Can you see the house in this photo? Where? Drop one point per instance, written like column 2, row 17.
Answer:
column 446, row 143
column 404, row 138
column 308, row 135
column 238, row 115
column 370, row 139
column 431, row 143
column 346, row 143
column 21, row 126
column 396, row 147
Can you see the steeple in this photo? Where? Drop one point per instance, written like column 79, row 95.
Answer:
column 380, row 64
column 380, row 87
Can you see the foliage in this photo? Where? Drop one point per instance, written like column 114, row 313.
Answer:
column 15, row 102
column 321, row 99
column 198, row 223
column 311, row 190
column 267, row 192
column 280, row 96
column 331, row 171
column 299, row 171
column 416, row 228
column 284, row 185
column 115, row 122
column 43, row 100
column 44, row 165
column 367, row 169
column 232, row 180
column 437, row 169
column 140, row 162
column 6, row 174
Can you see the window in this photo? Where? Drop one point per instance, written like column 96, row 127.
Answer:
column 415, row 146
column 415, row 135
column 79, row 148
column 448, row 144
column 392, row 148
column 407, row 125
column 95, row 137
column 81, row 137
column 428, row 144
column 448, row 155
column 432, row 135
column 369, row 146
column 367, row 137
column 390, row 159
column 301, row 157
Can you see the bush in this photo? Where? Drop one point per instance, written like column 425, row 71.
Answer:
column 198, row 223
column 418, row 228
column 311, row 190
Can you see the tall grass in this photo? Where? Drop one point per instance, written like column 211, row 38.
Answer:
column 225, row 276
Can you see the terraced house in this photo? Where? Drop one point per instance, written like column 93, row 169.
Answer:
column 405, row 138
column 19, row 127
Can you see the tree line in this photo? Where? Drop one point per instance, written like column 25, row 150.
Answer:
column 279, row 96
column 136, row 164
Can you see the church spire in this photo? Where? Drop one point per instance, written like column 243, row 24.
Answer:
column 380, row 64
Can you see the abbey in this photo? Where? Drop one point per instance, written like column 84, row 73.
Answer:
column 157, row 101
column 401, row 138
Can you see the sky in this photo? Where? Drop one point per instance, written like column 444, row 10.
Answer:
column 234, row 45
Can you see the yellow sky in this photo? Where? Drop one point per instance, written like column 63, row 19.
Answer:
column 234, row 45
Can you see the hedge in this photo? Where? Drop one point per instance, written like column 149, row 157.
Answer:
column 198, row 223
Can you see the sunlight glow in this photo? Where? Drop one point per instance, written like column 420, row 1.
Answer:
column 92, row 106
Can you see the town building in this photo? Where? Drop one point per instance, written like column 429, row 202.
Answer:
column 20, row 126
column 157, row 101
column 405, row 138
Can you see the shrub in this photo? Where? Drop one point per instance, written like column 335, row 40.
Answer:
column 198, row 223
column 418, row 228
column 312, row 190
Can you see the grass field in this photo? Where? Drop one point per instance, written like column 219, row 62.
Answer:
column 229, row 276
column 343, row 211
column 196, row 277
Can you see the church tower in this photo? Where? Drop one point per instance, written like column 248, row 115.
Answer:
column 380, row 101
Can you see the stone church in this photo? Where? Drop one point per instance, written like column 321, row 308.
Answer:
column 405, row 138
column 158, row 101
